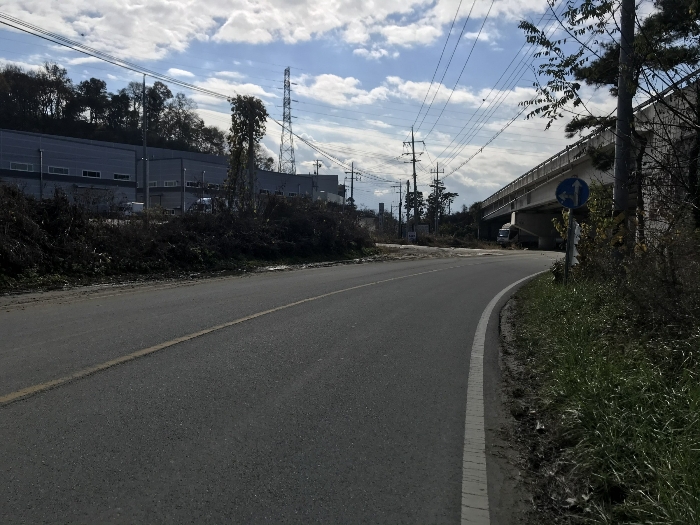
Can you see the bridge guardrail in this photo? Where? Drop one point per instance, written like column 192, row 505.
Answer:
column 523, row 179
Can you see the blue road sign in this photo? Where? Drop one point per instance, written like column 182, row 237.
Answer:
column 572, row 193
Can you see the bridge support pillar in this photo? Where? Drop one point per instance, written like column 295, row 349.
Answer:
column 538, row 224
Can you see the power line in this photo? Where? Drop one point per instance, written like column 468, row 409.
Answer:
column 502, row 129
column 463, row 68
column 523, row 57
column 464, row 27
column 493, row 107
column 81, row 48
column 449, row 33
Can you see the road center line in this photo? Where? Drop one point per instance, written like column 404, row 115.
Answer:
column 475, row 498
column 85, row 372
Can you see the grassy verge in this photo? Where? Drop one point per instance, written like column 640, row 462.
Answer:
column 608, row 408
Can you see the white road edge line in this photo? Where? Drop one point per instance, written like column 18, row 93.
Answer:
column 475, row 498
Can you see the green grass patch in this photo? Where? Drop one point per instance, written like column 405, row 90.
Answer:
column 622, row 401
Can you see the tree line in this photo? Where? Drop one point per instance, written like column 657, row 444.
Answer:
column 438, row 203
column 48, row 101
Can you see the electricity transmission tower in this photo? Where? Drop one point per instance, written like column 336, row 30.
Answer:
column 286, row 162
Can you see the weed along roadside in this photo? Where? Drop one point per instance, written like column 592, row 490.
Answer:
column 605, row 403
column 53, row 242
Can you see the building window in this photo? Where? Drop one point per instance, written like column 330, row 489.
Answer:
column 91, row 174
column 20, row 166
column 55, row 170
column 264, row 192
column 192, row 184
column 170, row 183
column 152, row 183
column 279, row 193
column 121, row 176
column 211, row 186
column 169, row 212
column 292, row 194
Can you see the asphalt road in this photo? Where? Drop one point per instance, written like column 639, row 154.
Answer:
column 348, row 408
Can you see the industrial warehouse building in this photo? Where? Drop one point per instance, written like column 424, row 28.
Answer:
column 102, row 173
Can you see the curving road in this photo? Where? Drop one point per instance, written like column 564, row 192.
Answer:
column 326, row 395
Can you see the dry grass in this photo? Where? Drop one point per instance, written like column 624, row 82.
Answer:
column 54, row 240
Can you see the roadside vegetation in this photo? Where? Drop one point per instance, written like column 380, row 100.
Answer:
column 56, row 241
column 605, row 385
column 608, row 405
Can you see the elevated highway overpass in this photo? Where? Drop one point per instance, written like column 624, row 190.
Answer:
column 529, row 202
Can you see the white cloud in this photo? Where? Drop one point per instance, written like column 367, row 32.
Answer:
column 82, row 60
column 462, row 94
column 348, row 91
column 27, row 66
column 373, row 54
column 229, row 89
column 230, row 74
column 218, row 119
column 175, row 72
column 411, row 34
column 378, row 124
column 338, row 91
column 151, row 29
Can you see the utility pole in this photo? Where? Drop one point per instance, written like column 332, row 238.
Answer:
column 41, row 174
column 345, row 191
column 183, row 183
column 400, row 204
column 400, row 212
column 623, row 134
column 251, row 153
column 408, row 190
column 146, row 182
column 415, row 184
column 437, row 172
column 352, row 180
column 317, row 165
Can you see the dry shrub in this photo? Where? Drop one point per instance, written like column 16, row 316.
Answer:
column 57, row 237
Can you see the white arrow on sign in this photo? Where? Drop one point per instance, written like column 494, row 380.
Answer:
column 577, row 188
column 563, row 196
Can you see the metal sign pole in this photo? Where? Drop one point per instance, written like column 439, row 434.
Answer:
column 569, row 245
column 571, row 193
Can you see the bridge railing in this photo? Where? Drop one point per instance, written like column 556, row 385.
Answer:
column 543, row 169
column 555, row 161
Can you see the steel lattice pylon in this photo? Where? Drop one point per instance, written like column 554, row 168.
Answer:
column 287, row 163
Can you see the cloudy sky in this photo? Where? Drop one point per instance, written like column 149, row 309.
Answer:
column 362, row 69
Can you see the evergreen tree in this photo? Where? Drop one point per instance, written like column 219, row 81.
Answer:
column 439, row 202
column 246, row 112
column 666, row 49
